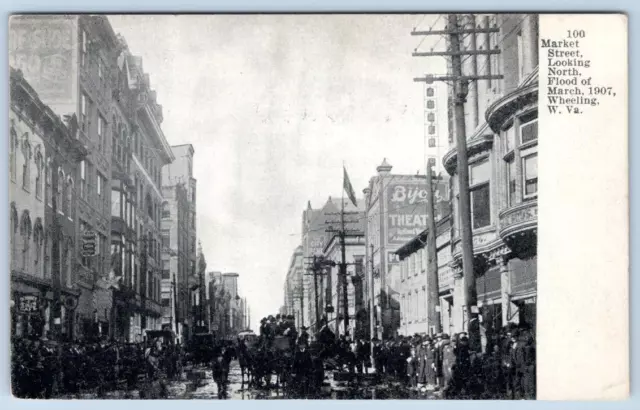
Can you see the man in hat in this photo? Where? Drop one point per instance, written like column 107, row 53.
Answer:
column 508, row 342
column 448, row 365
column 378, row 356
column 421, row 351
column 304, row 336
column 302, row 367
column 437, row 362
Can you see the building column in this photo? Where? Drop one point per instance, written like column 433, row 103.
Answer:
column 457, row 312
column 505, row 288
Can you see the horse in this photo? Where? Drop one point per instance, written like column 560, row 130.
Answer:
column 245, row 360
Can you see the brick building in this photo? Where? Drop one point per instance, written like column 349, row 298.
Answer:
column 501, row 123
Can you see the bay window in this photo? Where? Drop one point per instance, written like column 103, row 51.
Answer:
column 511, row 182
column 83, row 179
column 530, row 175
column 116, row 209
column 479, row 187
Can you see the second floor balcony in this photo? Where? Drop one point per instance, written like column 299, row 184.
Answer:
column 518, row 226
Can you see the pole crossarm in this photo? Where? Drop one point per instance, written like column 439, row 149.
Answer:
column 461, row 31
column 429, row 79
column 454, row 53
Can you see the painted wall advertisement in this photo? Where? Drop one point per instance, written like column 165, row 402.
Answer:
column 407, row 208
column 44, row 48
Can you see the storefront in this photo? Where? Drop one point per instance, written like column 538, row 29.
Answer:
column 28, row 315
column 29, row 306
column 524, row 281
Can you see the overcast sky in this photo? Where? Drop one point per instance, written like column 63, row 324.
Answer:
column 273, row 105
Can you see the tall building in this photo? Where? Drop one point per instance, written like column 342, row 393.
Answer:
column 502, row 145
column 293, row 287
column 175, row 238
column 44, row 157
column 77, row 84
column 140, row 150
column 314, row 239
column 395, row 213
column 334, row 285
column 180, row 172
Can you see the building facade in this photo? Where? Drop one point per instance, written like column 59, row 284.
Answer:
column 395, row 209
column 334, row 285
column 44, row 157
column 316, row 224
column 293, row 287
column 502, row 137
column 174, row 234
column 140, row 150
column 413, row 282
column 180, row 172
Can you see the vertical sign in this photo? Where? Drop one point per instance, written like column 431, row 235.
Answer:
column 89, row 244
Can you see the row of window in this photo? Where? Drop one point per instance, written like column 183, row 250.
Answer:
column 413, row 306
column 31, row 249
column 526, row 171
column 414, row 264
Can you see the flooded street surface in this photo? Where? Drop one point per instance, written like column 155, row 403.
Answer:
column 198, row 384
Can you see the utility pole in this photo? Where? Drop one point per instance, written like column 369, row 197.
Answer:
column 343, row 270
column 343, row 233
column 301, row 294
column 460, row 91
column 433, row 285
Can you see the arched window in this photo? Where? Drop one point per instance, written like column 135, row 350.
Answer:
column 39, row 161
column 26, row 166
column 13, row 154
column 38, row 240
column 68, row 197
column 47, row 181
column 114, row 135
column 13, row 234
column 63, row 260
column 68, row 256
column 48, row 244
column 25, row 235
column 166, row 211
column 119, row 142
column 149, row 205
column 60, row 191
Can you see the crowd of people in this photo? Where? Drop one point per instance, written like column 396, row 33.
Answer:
column 443, row 364
column 447, row 365
column 42, row 368
column 506, row 369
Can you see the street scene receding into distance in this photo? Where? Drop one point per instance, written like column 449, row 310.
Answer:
column 273, row 206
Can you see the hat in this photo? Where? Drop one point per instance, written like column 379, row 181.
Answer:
column 375, row 339
column 445, row 336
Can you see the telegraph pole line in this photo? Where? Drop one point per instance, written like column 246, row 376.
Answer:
column 433, row 284
column 460, row 91
column 343, row 233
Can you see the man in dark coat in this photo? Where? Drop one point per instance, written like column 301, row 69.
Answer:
column 378, row 356
column 304, row 336
column 302, row 368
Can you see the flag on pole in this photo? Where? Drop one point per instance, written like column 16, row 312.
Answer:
column 349, row 188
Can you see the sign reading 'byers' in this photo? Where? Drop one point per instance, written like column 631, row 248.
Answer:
column 407, row 208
